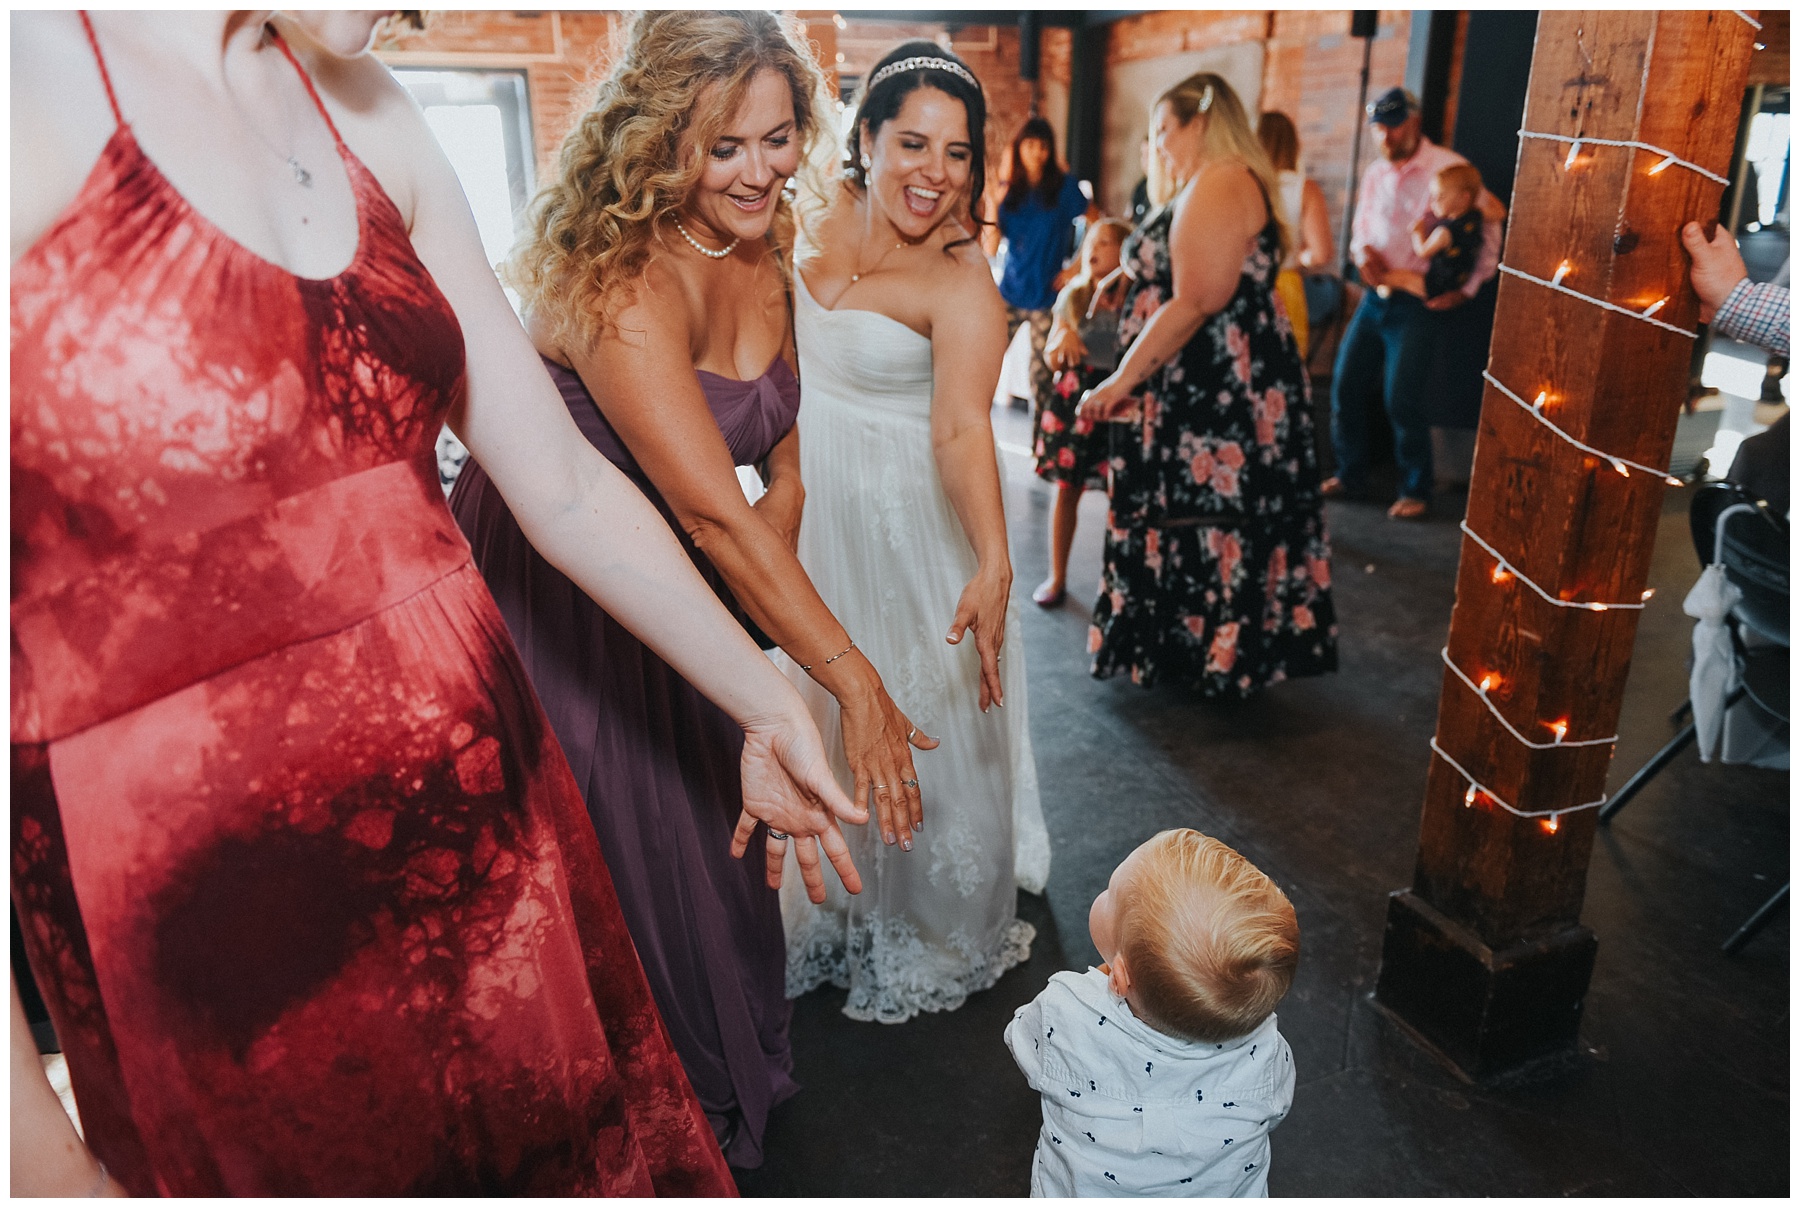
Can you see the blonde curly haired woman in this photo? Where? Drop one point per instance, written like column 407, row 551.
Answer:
column 654, row 287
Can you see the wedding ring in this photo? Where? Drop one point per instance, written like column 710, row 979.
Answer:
column 911, row 732
column 881, row 786
column 775, row 834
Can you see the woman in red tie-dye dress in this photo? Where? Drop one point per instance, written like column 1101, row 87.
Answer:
column 303, row 875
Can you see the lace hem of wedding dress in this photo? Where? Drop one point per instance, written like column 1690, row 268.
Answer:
column 889, row 972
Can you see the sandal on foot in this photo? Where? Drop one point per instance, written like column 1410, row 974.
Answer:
column 1409, row 509
column 1045, row 597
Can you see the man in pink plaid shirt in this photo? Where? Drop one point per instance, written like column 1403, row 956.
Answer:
column 1389, row 342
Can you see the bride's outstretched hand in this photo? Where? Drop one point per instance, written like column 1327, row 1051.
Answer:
column 983, row 610
column 878, row 742
column 788, row 785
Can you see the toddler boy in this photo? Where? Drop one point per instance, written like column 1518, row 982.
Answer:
column 1449, row 236
column 1161, row 1071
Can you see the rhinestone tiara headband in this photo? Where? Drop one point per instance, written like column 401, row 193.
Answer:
column 913, row 64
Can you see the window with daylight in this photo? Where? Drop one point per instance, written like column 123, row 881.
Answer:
column 482, row 120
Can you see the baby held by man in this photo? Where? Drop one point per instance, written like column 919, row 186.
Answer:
column 1161, row 1071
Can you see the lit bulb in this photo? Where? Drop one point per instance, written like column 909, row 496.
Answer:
column 1490, row 680
column 1598, row 607
column 1562, row 270
column 1659, row 167
column 1469, row 797
column 1549, row 824
column 1655, row 306
column 1560, row 729
column 1673, row 481
column 1574, row 150
column 1620, row 467
column 840, row 56
column 1501, row 574
column 1648, row 592
column 1542, row 398
column 837, row 19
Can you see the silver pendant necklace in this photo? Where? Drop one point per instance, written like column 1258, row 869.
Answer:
column 701, row 247
column 302, row 177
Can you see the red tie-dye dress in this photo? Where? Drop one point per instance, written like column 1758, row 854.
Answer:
column 303, row 875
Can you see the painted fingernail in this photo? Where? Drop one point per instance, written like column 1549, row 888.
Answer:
column 890, row 838
column 918, row 826
column 905, row 843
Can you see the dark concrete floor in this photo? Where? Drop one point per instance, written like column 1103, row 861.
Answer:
column 1682, row 1087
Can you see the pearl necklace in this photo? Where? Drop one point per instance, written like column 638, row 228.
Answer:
column 701, row 247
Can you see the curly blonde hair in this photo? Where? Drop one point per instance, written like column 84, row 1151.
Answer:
column 623, row 167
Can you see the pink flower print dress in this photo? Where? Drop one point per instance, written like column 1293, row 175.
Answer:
column 1217, row 566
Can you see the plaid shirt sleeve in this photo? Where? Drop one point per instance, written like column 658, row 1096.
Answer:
column 1755, row 314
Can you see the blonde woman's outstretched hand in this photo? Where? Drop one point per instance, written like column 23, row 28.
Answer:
column 788, row 786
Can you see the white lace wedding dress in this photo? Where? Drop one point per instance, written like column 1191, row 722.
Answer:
column 888, row 554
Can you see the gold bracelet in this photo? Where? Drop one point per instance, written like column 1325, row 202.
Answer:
column 834, row 658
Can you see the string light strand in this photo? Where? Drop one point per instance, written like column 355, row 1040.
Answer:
column 1669, row 158
column 1478, row 788
column 1513, row 570
column 1535, row 411
column 1560, row 288
column 1754, row 23
column 1482, row 692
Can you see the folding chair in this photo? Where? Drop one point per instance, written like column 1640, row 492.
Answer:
column 1738, row 532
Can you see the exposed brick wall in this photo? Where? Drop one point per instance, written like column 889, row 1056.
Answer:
column 1311, row 70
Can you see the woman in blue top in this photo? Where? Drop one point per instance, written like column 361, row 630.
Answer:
column 1042, row 202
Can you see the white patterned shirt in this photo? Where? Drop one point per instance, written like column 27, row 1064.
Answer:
column 1129, row 1110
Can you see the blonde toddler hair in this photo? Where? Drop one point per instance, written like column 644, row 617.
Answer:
column 1463, row 178
column 1209, row 941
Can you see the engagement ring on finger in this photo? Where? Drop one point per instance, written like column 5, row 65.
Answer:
column 775, row 834
column 911, row 784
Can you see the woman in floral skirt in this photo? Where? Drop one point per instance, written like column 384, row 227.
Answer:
column 1217, row 568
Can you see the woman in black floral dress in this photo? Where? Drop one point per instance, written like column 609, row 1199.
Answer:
column 1217, row 568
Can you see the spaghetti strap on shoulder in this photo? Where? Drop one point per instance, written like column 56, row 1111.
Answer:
column 100, row 61
column 310, row 90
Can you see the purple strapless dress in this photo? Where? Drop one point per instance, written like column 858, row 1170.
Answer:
column 658, row 765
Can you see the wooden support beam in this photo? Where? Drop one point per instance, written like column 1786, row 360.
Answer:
column 1485, row 956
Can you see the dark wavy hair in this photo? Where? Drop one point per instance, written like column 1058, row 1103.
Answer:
column 1019, row 186
column 881, row 105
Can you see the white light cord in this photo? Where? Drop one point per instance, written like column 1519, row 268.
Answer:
column 1585, row 448
column 1563, row 289
column 1668, row 157
column 1754, row 23
column 1478, row 690
column 1501, row 802
column 1510, row 569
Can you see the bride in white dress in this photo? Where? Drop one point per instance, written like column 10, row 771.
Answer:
column 900, row 333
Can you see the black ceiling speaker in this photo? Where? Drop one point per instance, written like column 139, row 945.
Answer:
column 1363, row 22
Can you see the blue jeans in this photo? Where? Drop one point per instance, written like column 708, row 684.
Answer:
column 1388, row 343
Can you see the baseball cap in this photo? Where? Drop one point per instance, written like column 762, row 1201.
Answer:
column 1393, row 107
